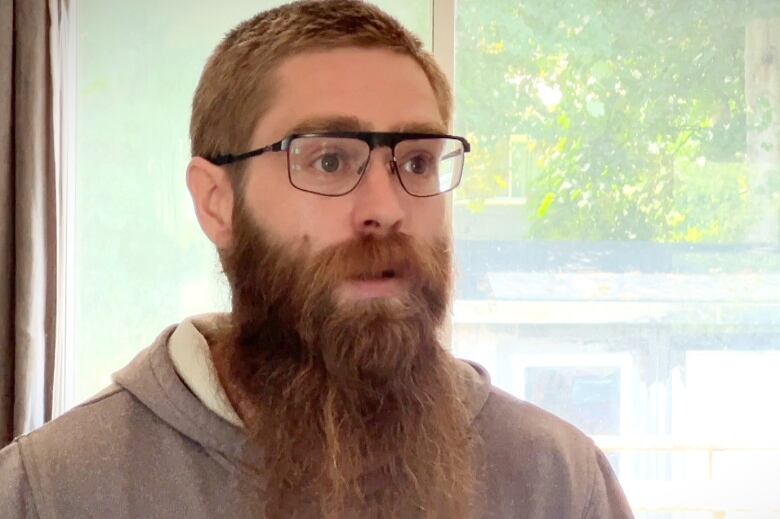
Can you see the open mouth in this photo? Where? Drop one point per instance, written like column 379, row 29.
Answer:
column 383, row 282
column 389, row 273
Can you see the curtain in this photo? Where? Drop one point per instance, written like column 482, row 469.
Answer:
column 28, row 215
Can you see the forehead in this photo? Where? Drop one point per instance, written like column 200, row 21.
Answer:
column 350, row 89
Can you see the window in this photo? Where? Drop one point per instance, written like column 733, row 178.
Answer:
column 616, row 231
column 617, row 234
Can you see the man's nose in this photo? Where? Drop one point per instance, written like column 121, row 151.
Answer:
column 378, row 209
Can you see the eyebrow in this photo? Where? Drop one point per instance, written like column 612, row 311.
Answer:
column 353, row 124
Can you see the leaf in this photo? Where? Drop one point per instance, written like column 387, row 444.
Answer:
column 675, row 218
column 476, row 206
column 601, row 70
column 547, row 201
column 595, row 108
column 694, row 235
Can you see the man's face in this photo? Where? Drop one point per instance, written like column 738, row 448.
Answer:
column 347, row 89
column 327, row 358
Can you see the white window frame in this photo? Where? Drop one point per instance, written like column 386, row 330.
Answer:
column 64, row 47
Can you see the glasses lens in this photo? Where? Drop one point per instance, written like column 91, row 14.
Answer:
column 429, row 166
column 326, row 165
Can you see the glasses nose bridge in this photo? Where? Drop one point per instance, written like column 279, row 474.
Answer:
column 390, row 165
column 373, row 145
column 382, row 140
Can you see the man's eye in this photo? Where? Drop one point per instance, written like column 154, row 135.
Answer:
column 418, row 165
column 329, row 163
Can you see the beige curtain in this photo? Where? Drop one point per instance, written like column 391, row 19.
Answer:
column 27, row 217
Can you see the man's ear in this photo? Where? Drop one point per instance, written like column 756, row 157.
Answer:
column 212, row 196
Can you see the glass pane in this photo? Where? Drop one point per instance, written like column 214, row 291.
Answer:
column 617, row 234
column 143, row 262
column 429, row 166
column 327, row 165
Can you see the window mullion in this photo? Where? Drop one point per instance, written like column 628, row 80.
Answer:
column 443, row 38
column 65, row 71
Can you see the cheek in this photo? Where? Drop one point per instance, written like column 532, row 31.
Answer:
column 323, row 223
column 291, row 215
column 426, row 218
column 269, row 198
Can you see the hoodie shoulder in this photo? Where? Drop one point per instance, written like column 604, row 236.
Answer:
column 16, row 496
column 56, row 466
column 536, row 465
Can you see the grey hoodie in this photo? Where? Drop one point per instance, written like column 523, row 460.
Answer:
column 147, row 447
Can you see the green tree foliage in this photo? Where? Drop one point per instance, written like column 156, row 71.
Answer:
column 624, row 119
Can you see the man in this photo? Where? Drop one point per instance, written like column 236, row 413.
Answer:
column 321, row 162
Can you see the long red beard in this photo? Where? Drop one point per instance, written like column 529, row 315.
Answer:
column 357, row 406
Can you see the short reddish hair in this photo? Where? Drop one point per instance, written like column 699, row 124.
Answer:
column 237, row 85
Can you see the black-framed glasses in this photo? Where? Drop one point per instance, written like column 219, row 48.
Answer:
column 332, row 163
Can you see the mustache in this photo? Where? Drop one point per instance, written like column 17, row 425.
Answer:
column 396, row 255
column 290, row 284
